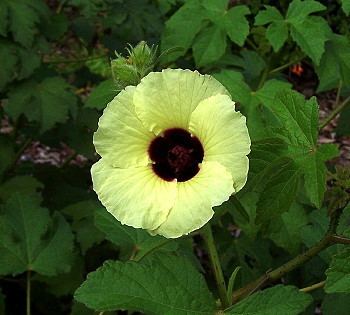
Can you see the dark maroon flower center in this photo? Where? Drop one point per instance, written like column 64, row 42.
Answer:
column 176, row 154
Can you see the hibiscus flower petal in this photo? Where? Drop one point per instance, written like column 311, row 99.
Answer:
column 166, row 99
column 135, row 196
column 224, row 135
column 121, row 139
column 195, row 198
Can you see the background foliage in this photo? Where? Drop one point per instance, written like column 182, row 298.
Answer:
column 55, row 80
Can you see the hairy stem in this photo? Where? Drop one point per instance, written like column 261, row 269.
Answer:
column 207, row 235
column 28, row 292
column 329, row 239
column 313, row 287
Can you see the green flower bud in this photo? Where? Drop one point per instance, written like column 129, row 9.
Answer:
column 140, row 61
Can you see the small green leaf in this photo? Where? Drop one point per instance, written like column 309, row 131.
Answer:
column 270, row 14
column 47, row 102
column 298, row 10
column 277, row 34
column 236, row 24
column 165, row 284
column 286, row 300
column 32, row 240
column 338, row 273
column 231, row 282
column 209, row 45
column 101, row 95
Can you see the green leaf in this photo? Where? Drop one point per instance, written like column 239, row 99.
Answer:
column 270, row 14
column 264, row 155
column 182, row 27
column 101, row 95
column 298, row 10
column 299, row 119
column 338, row 304
column 280, row 190
column 346, row 6
column 209, row 45
column 234, row 83
column 32, row 240
column 286, row 300
column 82, row 214
column 277, row 34
column 277, row 31
column 22, row 19
column 165, row 284
column 125, row 237
column 236, row 24
column 285, row 230
column 24, row 184
column 338, row 273
column 47, row 102
column 311, row 35
column 335, row 64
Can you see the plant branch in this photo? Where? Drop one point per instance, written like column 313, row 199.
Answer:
column 288, row 64
column 313, row 287
column 207, row 235
column 334, row 113
column 329, row 239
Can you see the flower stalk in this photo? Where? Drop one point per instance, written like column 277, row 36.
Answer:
column 207, row 235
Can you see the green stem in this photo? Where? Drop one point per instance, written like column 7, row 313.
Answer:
column 329, row 239
column 334, row 113
column 288, row 64
column 263, row 78
column 207, row 235
column 282, row 270
column 313, row 287
column 28, row 291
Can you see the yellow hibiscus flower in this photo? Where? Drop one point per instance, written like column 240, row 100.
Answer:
column 172, row 148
